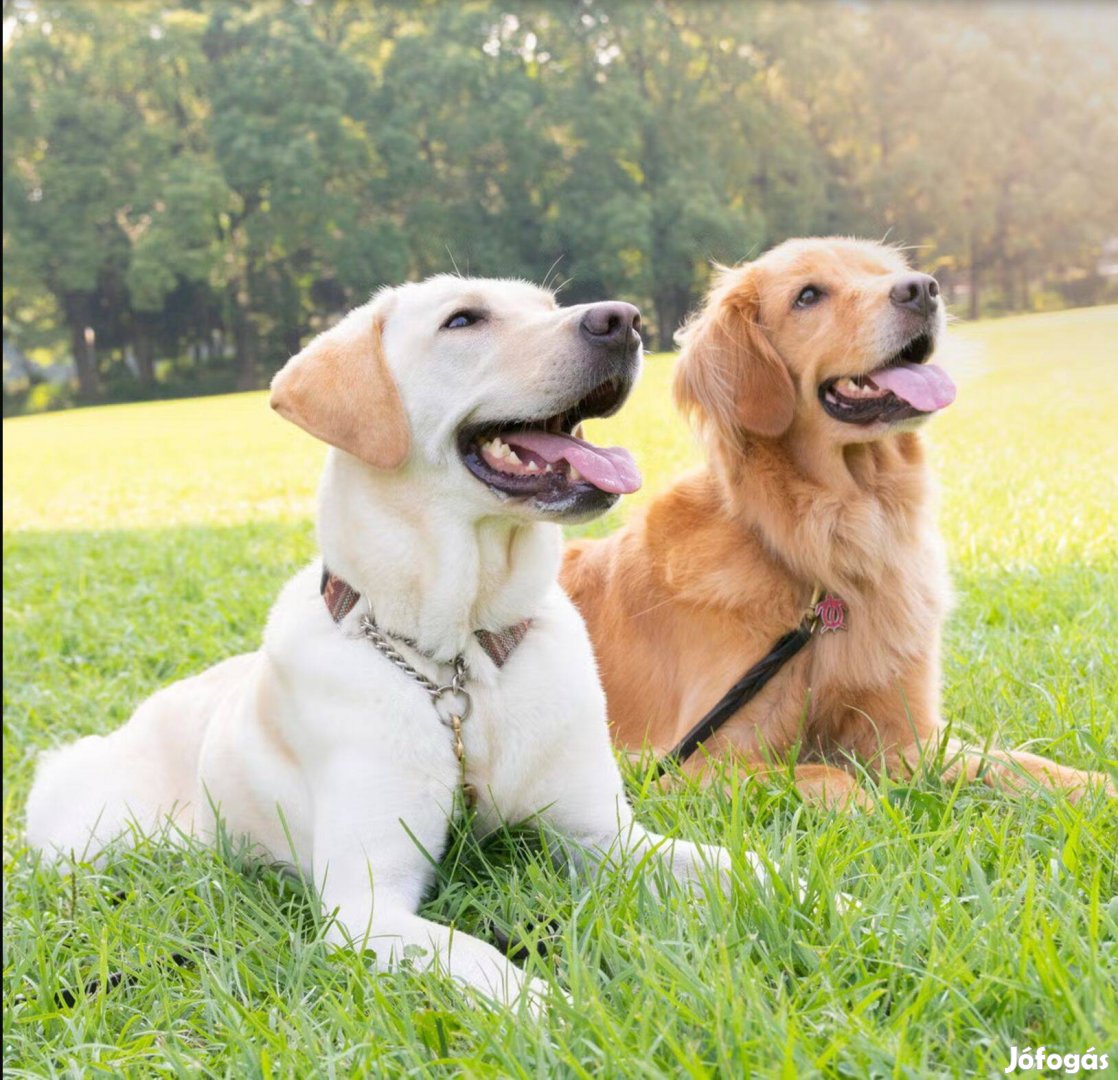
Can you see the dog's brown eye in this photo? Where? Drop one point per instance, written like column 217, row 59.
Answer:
column 460, row 319
column 809, row 295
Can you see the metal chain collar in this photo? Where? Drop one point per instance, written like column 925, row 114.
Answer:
column 451, row 702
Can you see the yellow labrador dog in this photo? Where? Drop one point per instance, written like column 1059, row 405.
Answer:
column 430, row 656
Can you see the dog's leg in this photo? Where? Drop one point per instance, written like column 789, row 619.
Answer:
column 897, row 730
column 372, row 872
column 830, row 787
column 112, row 789
column 601, row 824
column 688, row 862
column 823, row 785
column 691, row 863
column 1010, row 770
column 396, row 934
column 605, row 833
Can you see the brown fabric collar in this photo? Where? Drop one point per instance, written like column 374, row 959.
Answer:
column 341, row 598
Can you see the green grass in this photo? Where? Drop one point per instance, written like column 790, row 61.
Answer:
column 145, row 541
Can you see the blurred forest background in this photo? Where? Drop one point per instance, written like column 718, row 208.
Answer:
column 192, row 188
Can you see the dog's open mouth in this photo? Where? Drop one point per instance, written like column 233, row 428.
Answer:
column 905, row 386
column 545, row 460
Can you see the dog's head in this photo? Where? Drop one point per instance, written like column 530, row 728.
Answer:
column 823, row 337
column 486, row 377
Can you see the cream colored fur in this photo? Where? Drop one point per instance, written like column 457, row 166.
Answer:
column 316, row 735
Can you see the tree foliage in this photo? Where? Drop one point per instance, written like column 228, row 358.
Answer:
column 205, row 181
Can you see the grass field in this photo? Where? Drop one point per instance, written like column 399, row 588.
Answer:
column 143, row 542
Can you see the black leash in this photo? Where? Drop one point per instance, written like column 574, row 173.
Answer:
column 744, row 690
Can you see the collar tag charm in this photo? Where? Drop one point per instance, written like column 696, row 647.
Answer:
column 831, row 612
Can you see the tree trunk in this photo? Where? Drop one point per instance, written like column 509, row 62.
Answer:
column 245, row 343
column 292, row 340
column 671, row 307
column 291, row 336
column 78, row 308
column 1009, row 290
column 664, row 268
column 145, row 349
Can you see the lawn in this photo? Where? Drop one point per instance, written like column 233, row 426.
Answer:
column 143, row 542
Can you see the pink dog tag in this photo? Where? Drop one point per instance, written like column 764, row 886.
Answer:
column 831, row 612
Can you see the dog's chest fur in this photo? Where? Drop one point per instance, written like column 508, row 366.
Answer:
column 744, row 557
column 332, row 696
column 873, row 543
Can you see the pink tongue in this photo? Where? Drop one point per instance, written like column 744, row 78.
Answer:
column 611, row 469
column 924, row 386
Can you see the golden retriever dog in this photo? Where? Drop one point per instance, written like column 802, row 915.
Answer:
column 808, row 374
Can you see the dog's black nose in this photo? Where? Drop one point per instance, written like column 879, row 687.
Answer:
column 612, row 323
column 918, row 292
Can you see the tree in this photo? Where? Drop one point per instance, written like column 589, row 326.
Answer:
column 286, row 132
column 179, row 171
column 67, row 135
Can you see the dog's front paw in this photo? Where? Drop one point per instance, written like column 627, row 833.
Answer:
column 522, row 994
column 533, row 997
column 697, row 864
column 763, row 873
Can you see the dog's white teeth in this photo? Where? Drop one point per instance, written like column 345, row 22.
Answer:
column 532, row 467
column 575, row 475
column 548, row 468
column 499, row 450
column 857, row 388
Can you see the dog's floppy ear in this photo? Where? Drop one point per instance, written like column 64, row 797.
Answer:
column 339, row 389
column 728, row 372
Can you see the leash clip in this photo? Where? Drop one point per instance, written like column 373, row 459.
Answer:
column 452, row 702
